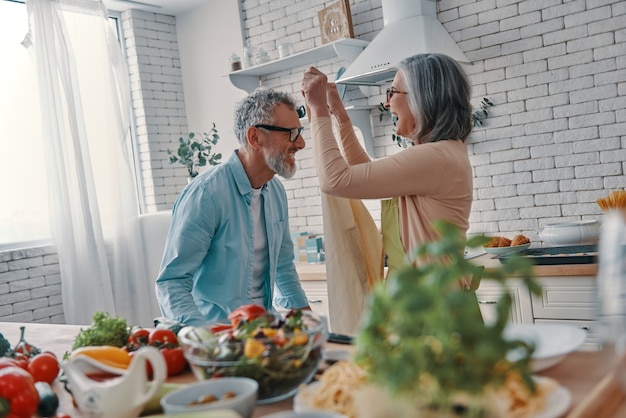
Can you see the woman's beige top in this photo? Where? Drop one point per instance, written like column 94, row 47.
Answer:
column 433, row 180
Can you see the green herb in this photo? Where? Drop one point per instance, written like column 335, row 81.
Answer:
column 5, row 347
column 423, row 337
column 104, row 330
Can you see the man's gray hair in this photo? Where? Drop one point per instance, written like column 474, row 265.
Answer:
column 258, row 108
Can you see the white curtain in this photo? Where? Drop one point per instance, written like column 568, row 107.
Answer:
column 85, row 106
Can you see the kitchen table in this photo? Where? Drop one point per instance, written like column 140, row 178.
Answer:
column 579, row 372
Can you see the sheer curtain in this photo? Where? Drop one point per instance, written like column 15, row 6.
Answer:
column 85, row 106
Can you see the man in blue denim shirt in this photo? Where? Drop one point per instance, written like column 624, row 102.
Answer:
column 229, row 242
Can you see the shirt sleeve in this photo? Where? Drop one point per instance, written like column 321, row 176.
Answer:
column 417, row 170
column 187, row 244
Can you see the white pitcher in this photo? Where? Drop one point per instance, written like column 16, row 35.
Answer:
column 120, row 397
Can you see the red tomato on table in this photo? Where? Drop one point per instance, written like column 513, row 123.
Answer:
column 163, row 337
column 44, row 367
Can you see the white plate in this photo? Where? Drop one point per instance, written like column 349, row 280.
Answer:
column 557, row 403
column 506, row 250
column 552, row 342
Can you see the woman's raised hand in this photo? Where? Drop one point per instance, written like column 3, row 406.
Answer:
column 314, row 90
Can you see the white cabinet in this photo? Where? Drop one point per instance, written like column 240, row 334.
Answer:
column 566, row 297
column 317, row 295
column 569, row 300
column 489, row 293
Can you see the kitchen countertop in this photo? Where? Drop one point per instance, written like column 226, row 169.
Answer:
column 488, row 261
column 313, row 271
column 579, row 372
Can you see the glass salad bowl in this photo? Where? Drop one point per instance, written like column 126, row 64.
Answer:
column 279, row 350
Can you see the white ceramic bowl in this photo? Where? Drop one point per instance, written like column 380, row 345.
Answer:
column 571, row 233
column 552, row 341
column 506, row 250
column 243, row 403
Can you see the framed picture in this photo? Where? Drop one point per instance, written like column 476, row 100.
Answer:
column 336, row 21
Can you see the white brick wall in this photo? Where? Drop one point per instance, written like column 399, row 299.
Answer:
column 556, row 71
column 30, row 286
column 158, row 103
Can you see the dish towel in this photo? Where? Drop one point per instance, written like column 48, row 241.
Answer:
column 354, row 260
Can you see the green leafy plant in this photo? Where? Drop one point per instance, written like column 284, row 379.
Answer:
column 195, row 151
column 481, row 114
column 423, row 337
column 385, row 112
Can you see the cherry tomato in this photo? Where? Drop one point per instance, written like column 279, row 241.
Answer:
column 22, row 360
column 163, row 337
column 44, row 367
column 139, row 337
column 174, row 359
column 8, row 362
column 246, row 312
column 17, row 386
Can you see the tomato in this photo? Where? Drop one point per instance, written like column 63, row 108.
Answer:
column 163, row 337
column 174, row 359
column 44, row 367
column 8, row 362
column 246, row 312
column 17, row 388
column 139, row 337
column 22, row 360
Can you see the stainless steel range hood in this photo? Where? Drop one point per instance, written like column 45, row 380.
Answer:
column 410, row 27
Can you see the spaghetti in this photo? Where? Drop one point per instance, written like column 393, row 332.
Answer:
column 335, row 389
column 615, row 200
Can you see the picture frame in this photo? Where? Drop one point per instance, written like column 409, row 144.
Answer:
column 336, row 22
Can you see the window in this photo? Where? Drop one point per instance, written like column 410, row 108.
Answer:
column 24, row 217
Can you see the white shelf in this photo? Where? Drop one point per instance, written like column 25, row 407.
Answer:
column 347, row 49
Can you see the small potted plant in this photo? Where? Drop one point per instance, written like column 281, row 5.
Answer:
column 195, row 151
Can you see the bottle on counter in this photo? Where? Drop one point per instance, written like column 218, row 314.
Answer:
column 235, row 62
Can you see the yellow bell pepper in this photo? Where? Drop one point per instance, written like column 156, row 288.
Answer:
column 106, row 354
column 253, row 348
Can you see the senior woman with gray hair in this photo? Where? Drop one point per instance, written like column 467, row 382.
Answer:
column 229, row 242
column 432, row 180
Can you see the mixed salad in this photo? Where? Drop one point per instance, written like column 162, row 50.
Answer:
column 279, row 352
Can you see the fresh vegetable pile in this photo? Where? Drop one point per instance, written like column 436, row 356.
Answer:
column 167, row 343
column 112, row 342
column 26, row 374
column 280, row 353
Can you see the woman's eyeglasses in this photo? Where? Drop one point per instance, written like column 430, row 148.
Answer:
column 294, row 133
column 391, row 91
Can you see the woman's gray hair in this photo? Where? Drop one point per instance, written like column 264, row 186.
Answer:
column 439, row 95
column 258, row 107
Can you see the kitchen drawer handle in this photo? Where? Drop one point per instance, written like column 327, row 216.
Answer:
column 315, row 300
column 487, row 302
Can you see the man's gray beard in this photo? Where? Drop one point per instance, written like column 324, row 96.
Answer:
column 276, row 161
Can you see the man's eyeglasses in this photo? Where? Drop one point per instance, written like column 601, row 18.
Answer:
column 391, row 91
column 294, row 133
